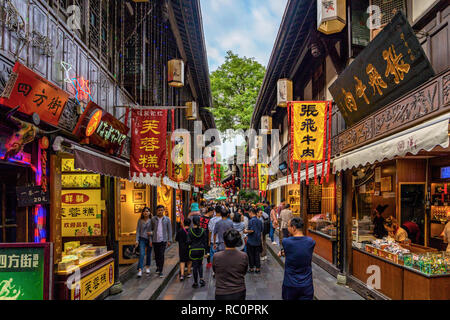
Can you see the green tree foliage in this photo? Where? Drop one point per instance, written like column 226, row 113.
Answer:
column 249, row 195
column 235, row 86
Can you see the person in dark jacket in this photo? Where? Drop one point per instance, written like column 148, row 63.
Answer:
column 198, row 242
column 379, row 231
column 183, row 248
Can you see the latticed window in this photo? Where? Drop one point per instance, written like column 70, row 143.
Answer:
column 389, row 9
column 94, row 24
column 105, row 26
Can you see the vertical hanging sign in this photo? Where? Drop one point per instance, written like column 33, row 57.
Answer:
column 177, row 164
column 199, row 175
column 263, row 173
column 309, row 134
column 148, row 143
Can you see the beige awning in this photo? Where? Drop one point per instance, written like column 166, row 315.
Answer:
column 424, row 136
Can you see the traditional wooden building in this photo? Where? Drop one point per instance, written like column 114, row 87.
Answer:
column 92, row 55
column 372, row 159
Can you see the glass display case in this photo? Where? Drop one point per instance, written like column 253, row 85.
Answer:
column 430, row 263
column 407, row 255
column 322, row 223
column 362, row 230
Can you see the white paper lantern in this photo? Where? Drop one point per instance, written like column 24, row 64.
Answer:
column 191, row 111
column 331, row 16
column 176, row 73
column 266, row 124
column 284, row 92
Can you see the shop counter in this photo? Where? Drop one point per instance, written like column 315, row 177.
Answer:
column 325, row 244
column 400, row 282
column 87, row 280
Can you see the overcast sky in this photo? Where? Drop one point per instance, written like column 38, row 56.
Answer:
column 247, row 27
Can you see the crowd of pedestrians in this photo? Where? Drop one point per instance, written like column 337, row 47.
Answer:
column 232, row 238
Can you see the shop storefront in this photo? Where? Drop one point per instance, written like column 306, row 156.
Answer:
column 24, row 187
column 85, row 193
column 321, row 213
column 412, row 189
column 403, row 174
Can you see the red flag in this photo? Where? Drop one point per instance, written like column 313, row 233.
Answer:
column 148, row 142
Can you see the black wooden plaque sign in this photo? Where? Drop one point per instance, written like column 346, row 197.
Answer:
column 393, row 64
column 315, row 199
column 31, row 196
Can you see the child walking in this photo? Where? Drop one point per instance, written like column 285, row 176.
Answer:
column 198, row 242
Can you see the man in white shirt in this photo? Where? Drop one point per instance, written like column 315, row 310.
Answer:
column 162, row 231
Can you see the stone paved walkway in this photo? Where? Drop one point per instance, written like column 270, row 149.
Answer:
column 325, row 285
column 263, row 286
column 149, row 286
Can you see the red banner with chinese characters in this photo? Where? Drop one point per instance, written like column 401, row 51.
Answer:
column 148, row 142
column 34, row 94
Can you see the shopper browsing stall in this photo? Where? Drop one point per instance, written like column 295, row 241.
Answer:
column 379, row 231
column 446, row 232
column 394, row 230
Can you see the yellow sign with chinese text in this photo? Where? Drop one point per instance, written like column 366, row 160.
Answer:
column 199, row 174
column 263, row 172
column 81, row 213
column 91, row 286
column 308, row 130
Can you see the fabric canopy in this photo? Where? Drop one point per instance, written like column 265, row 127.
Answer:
column 86, row 159
column 425, row 136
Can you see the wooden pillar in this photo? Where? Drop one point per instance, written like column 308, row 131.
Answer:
column 112, row 191
column 347, row 203
column 303, row 207
column 340, row 230
column 55, row 207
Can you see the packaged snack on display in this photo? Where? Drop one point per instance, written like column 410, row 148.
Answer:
column 429, row 263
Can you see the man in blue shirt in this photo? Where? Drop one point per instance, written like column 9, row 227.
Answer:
column 254, row 230
column 219, row 229
column 298, row 250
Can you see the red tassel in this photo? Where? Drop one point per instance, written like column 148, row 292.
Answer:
column 291, row 161
column 172, row 142
column 330, row 107
column 315, row 173
column 307, row 173
column 445, row 188
column 324, row 143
